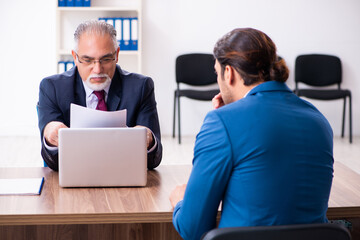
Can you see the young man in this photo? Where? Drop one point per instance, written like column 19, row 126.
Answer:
column 97, row 82
column 266, row 154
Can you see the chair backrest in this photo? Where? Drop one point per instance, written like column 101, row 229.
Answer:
column 195, row 69
column 321, row 231
column 318, row 70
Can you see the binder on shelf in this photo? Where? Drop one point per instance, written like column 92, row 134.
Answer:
column 64, row 66
column 119, row 33
column 126, row 34
column 86, row 3
column 134, row 34
column 61, row 3
column 70, row 3
column 78, row 3
column 69, row 65
column 127, row 30
column 110, row 21
column 61, row 67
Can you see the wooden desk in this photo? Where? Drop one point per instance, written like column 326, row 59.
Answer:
column 124, row 213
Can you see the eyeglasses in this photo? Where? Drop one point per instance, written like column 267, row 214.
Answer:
column 90, row 61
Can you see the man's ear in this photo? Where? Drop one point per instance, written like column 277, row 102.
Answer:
column 117, row 54
column 74, row 57
column 229, row 75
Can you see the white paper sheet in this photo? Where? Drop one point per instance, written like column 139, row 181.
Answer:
column 82, row 117
column 21, row 186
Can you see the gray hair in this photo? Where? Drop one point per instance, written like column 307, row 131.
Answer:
column 95, row 27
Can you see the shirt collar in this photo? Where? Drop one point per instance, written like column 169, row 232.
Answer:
column 246, row 93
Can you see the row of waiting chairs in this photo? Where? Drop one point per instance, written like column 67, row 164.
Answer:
column 315, row 70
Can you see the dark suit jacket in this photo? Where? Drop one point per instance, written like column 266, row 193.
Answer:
column 130, row 91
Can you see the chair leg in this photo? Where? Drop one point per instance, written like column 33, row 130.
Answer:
column 350, row 119
column 173, row 133
column 343, row 119
column 179, row 123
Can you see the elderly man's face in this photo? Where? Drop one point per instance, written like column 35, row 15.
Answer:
column 96, row 60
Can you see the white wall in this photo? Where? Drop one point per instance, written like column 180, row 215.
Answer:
column 174, row 27
column 27, row 53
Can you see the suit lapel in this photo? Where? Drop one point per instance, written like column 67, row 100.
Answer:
column 80, row 97
column 114, row 97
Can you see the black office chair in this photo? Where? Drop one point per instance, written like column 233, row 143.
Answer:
column 194, row 69
column 319, row 70
column 320, row 231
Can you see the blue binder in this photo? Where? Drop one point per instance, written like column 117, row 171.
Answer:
column 78, row 3
column 69, row 65
column 70, row 3
column 110, row 21
column 126, row 34
column 118, row 28
column 86, row 3
column 64, row 66
column 134, row 34
column 61, row 3
column 61, row 66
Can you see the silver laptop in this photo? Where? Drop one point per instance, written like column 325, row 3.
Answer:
column 96, row 157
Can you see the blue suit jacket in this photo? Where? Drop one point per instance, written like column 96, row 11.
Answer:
column 130, row 91
column 267, row 157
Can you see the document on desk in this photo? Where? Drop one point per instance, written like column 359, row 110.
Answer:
column 21, row 186
column 82, row 117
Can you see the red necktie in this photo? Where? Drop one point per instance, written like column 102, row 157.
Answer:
column 101, row 103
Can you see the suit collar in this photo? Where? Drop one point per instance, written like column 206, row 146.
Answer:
column 114, row 96
column 268, row 87
column 80, row 97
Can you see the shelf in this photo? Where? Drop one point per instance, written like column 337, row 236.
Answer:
column 68, row 18
column 95, row 9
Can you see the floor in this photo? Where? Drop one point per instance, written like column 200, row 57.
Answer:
column 25, row 151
